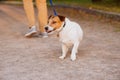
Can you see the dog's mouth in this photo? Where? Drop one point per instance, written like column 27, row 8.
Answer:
column 49, row 31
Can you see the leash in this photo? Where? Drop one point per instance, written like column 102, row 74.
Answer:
column 51, row 3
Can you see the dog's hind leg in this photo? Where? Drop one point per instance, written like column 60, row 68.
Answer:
column 64, row 51
column 74, row 51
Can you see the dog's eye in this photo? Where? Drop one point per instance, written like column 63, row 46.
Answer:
column 54, row 22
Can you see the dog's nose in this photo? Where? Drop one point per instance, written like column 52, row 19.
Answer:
column 46, row 28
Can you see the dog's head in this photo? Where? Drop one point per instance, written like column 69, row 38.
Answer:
column 54, row 23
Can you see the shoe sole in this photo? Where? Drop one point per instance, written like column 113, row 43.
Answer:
column 30, row 34
column 44, row 36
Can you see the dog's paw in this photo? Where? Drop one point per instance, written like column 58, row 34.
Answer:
column 73, row 58
column 62, row 57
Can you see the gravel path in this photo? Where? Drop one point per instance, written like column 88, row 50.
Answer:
column 37, row 58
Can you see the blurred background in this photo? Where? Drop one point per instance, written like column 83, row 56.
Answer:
column 107, row 5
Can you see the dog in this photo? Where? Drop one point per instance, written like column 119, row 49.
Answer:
column 70, row 33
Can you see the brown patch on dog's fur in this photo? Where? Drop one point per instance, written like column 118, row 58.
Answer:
column 62, row 18
column 56, row 21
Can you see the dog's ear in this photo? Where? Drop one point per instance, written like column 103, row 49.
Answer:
column 50, row 16
column 62, row 18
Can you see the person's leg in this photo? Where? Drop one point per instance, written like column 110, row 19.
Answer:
column 42, row 15
column 29, row 10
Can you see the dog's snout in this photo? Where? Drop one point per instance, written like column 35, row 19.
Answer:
column 46, row 28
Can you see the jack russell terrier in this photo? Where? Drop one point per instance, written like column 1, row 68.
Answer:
column 70, row 34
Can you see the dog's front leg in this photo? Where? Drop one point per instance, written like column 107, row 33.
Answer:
column 64, row 51
column 74, row 51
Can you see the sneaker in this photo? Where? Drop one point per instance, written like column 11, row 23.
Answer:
column 31, row 31
column 44, row 35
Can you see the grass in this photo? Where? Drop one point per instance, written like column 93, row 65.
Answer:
column 106, row 5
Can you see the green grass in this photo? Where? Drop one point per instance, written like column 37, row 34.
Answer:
column 107, row 5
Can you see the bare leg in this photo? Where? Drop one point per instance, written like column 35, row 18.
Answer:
column 29, row 10
column 42, row 14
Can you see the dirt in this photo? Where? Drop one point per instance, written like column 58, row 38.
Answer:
column 36, row 58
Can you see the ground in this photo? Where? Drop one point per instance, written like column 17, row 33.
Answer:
column 36, row 58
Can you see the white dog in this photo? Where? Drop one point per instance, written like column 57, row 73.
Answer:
column 70, row 33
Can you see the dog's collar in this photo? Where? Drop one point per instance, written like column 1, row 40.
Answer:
column 61, row 29
column 64, row 24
